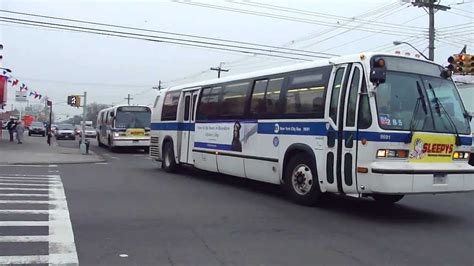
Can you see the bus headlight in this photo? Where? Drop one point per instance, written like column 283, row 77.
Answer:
column 461, row 155
column 116, row 134
column 390, row 153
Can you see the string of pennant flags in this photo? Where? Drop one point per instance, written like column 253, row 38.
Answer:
column 23, row 88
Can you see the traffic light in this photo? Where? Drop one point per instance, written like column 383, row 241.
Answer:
column 74, row 100
column 461, row 64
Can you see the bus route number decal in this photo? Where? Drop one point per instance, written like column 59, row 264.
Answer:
column 384, row 137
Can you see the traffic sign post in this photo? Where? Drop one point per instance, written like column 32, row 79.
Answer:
column 75, row 100
column 83, row 145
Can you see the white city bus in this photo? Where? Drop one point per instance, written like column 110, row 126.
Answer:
column 124, row 126
column 373, row 124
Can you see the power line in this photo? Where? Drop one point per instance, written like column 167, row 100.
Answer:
column 161, row 32
column 183, row 42
column 297, row 19
column 318, row 14
column 86, row 83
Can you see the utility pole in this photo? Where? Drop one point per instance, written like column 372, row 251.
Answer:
column 159, row 86
column 129, row 97
column 432, row 7
column 219, row 69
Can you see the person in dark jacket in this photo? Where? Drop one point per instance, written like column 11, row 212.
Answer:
column 11, row 126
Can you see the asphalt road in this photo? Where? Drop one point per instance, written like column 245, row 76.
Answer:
column 128, row 211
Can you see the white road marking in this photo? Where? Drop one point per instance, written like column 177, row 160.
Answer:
column 53, row 165
column 101, row 163
column 30, row 178
column 28, row 165
column 24, row 189
column 52, row 259
column 44, row 182
column 22, row 195
column 43, row 176
column 115, row 158
column 24, row 223
column 24, row 212
column 61, row 246
column 31, row 184
column 25, row 201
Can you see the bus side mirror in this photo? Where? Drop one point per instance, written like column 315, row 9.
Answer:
column 112, row 114
column 377, row 76
column 378, row 70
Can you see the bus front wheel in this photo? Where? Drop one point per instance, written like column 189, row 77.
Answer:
column 387, row 199
column 169, row 163
column 301, row 180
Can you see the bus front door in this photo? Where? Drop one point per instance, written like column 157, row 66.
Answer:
column 186, row 126
column 347, row 143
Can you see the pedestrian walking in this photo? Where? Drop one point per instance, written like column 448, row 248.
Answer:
column 11, row 126
column 20, row 129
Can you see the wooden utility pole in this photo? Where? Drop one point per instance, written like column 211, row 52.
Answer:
column 159, row 86
column 129, row 97
column 219, row 69
column 430, row 7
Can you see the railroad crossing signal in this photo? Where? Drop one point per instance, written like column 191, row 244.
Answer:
column 461, row 64
column 74, row 100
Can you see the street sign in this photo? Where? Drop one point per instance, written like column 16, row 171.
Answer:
column 20, row 96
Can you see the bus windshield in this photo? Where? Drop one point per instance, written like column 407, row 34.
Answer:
column 132, row 119
column 399, row 95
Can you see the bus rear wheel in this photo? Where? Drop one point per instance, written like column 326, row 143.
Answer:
column 387, row 199
column 301, row 181
column 169, row 163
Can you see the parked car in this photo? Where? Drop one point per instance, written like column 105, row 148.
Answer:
column 90, row 132
column 65, row 131
column 37, row 128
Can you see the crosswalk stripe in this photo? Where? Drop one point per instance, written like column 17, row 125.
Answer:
column 24, row 189
column 16, row 175
column 24, row 211
column 6, row 239
column 25, row 202
column 24, row 223
column 67, row 258
column 30, row 178
column 22, row 195
column 30, row 185
column 23, row 181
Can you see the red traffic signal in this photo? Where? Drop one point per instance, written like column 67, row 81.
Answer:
column 461, row 64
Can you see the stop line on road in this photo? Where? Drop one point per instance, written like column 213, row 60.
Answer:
column 36, row 191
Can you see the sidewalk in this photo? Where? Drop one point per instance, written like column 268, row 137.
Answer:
column 35, row 150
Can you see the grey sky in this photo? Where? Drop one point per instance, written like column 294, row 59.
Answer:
column 59, row 63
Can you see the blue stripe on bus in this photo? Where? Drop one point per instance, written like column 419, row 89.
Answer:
column 293, row 128
column 172, row 126
column 216, row 146
column 301, row 128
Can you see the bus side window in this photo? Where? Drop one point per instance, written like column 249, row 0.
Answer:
column 170, row 106
column 233, row 101
column 272, row 96
column 209, row 103
column 364, row 120
column 257, row 104
column 336, row 89
column 305, row 95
